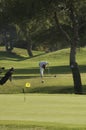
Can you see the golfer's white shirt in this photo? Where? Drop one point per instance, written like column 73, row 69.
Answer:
column 42, row 63
column 41, row 68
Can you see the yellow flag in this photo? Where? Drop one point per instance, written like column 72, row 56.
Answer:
column 27, row 85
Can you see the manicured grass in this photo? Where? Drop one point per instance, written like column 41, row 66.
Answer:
column 51, row 105
column 43, row 112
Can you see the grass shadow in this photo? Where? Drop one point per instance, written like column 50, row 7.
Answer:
column 65, row 69
column 56, row 90
column 12, row 56
column 52, row 90
column 52, row 70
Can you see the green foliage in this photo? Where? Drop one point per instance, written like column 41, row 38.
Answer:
column 38, row 16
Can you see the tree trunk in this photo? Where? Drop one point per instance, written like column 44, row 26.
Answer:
column 75, row 72
column 76, row 78
column 74, row 42
column 29, row 49
column 73, row 65
column 8, row 42
column 27, row 39
column 29, row 44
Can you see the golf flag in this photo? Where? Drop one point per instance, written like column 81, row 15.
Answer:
column 27, row 85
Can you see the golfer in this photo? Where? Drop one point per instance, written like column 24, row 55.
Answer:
column 42, row 66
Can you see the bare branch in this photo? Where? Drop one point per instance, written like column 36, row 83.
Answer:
column 60, row 27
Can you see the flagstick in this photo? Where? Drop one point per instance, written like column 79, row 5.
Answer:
column 24, row 95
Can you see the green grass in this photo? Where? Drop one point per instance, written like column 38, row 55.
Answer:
column 51, row 105
column 27, row 70
column 43, row 111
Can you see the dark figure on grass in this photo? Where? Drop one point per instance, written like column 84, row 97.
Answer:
column 7, row 76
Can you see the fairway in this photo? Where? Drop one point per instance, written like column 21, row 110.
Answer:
column 56, row 108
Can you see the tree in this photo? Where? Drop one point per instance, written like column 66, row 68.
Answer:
column 27, row 38
column 74, row 42
column 18, row 12
column 9, row 36
column 66, row 12
column 70, row 10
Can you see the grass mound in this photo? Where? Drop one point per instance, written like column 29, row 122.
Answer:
column 27, row 70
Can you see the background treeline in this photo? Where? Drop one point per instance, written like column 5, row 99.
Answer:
column 45, row 25
column 31, row 24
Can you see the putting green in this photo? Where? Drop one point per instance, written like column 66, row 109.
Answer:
column 65, row 109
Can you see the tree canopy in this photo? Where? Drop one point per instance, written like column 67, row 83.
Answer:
column 37, row 16
column 51, row 19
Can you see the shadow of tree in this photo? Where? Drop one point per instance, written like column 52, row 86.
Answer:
column 65, row 69
column 52, row 90
column 55, row 90
column 33, row 70
column 12, row 56
column 52, row 70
